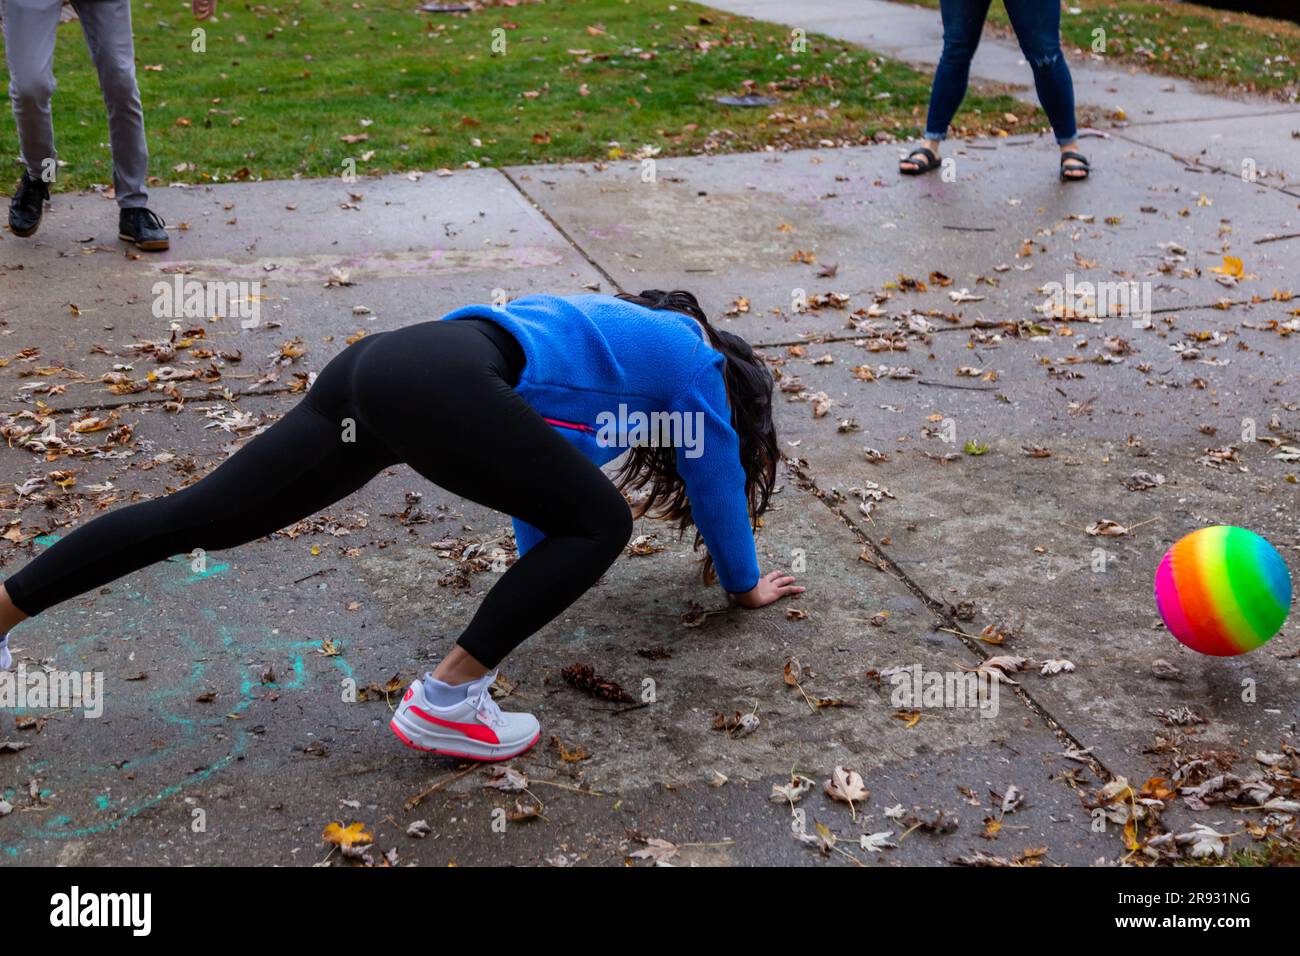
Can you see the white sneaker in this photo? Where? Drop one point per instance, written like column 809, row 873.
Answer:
column 474, row 728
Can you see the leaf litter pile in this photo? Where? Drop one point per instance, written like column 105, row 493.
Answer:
column 584, row 678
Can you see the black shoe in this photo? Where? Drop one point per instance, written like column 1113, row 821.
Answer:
column 28, row 205
column 143, row 229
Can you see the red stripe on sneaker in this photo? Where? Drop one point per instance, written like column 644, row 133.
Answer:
column 480, row 757
column 477, row 732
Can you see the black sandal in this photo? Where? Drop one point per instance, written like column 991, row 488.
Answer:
column 1080, row 164
column 931, row 161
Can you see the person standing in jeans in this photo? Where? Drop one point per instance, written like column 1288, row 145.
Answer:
column 1038, row 28
column 30, row 27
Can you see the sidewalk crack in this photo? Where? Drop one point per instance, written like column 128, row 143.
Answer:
column 577, row 247
column 805, row 481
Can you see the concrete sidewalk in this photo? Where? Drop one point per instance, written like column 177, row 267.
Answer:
column 229, row 736
column 1163, row 112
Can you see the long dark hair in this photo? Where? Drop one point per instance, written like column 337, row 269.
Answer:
column 749, row 393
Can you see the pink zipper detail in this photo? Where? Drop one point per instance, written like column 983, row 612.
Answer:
column 576, row 427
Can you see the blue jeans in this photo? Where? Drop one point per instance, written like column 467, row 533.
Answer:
column 1038, row 28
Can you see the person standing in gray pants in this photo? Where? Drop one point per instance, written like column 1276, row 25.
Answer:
column 30, row 27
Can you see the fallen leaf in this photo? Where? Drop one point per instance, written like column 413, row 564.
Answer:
column 792, row 792
column 848, row 787
column 347, row 837
column 660, row 851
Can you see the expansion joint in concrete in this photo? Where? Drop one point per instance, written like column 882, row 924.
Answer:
column 1196, row 165
column 561, row 230
column 807, row 483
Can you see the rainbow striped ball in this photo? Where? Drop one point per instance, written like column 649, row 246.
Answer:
column 1223, row 591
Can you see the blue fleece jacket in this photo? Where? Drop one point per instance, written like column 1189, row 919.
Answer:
column 594, row 362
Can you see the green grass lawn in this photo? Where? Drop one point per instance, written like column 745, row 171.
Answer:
column 1230, row 50
column 280, row 85
column 1259, row 854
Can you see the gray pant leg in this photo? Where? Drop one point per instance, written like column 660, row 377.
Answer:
column 107, row 26
column 29, row 29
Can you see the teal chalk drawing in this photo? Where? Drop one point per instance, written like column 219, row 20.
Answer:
column 187, row 562
column 343, row 666
column 167, row 706
column 241, row 743
column 204, row 575
column 188, row 688
column 46, row 540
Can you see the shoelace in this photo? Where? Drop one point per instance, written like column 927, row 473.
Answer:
column 485, row 706
column 150, row 217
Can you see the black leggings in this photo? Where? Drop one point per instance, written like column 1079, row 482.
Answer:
column 438, row 396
